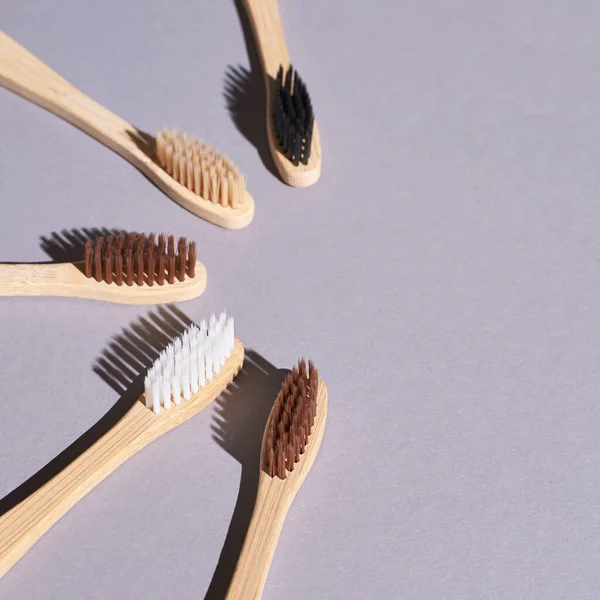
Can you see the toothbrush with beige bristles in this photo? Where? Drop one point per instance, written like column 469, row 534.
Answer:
column 190, row 373
column 123, row 268
column 191, row 173
column 291, row 441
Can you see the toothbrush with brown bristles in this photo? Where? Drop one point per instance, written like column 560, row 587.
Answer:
column 291, row 441
column 191, row 372
column 191, row 173
column 292, row 131
column 123, row 268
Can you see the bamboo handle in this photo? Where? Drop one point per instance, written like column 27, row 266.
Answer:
column 264, row 16
column 31, row 279
column 23, row 525
column 68, row 280
column 26, row 75
column 273, row 501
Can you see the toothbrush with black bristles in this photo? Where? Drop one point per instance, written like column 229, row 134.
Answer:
column 292, row 131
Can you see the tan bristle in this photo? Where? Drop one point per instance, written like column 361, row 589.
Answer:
column 194, row 165
column 89, row 253
column 132, row 258
column 291, row 420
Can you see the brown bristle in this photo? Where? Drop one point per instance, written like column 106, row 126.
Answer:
column 89, row 253
column 171, row 268
column 291, row 420
column 151, row 261
column 181, row 255
column 139, row 267
column 129, row 266
column 192, row 259
column 161, row 269
column 136, row 258
column 109, row 244
column 119, row 266
column 108, row 275
column 162, row 244
column 200, row 169
column 141, row 243
column 98, row 259
column 131, row 242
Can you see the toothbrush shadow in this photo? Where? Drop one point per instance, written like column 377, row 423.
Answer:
column 122, row 365
column 241, row 415
column 68, row 245
column 245, row 97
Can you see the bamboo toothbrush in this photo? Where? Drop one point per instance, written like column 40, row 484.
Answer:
column 129, row 269
column 189, row 172
column 292, row 132
column 290, row 444
column 189, row 374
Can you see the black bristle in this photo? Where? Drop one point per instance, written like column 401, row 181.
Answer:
column 293, row 116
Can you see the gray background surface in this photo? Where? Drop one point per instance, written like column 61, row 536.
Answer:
column 443, row 274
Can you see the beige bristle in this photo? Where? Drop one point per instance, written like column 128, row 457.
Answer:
column 200, row 168
column 224, row 190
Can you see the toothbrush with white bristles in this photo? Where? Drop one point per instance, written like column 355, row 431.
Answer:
column 189, row 373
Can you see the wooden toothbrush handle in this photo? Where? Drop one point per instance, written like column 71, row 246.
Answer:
column 24, row 524
column 272, row 504
column 35, row 279
column 26, row 75
column 264, row 16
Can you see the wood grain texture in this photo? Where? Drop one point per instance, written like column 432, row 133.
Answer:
column 67, row 279
column 26, row 75
column 273, row 500
column 266, row 24
column 22, row 526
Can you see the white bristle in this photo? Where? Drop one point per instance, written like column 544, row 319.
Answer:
column 166, row 393
column 201, row 366
column 189, row 363
column 176, row 385
column 156, row 395
column 208, row 361
column 148, row 391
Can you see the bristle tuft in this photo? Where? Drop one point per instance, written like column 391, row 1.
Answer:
column 293, row 116
column 188, row 363
column 291, row 420
column 200, row 169
column 89, row 253
column 136, row 259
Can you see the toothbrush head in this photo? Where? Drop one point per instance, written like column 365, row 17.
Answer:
column 189, row 363
column 293, row 116
column 291, row 420
column 136, row 259
column 202, row 170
